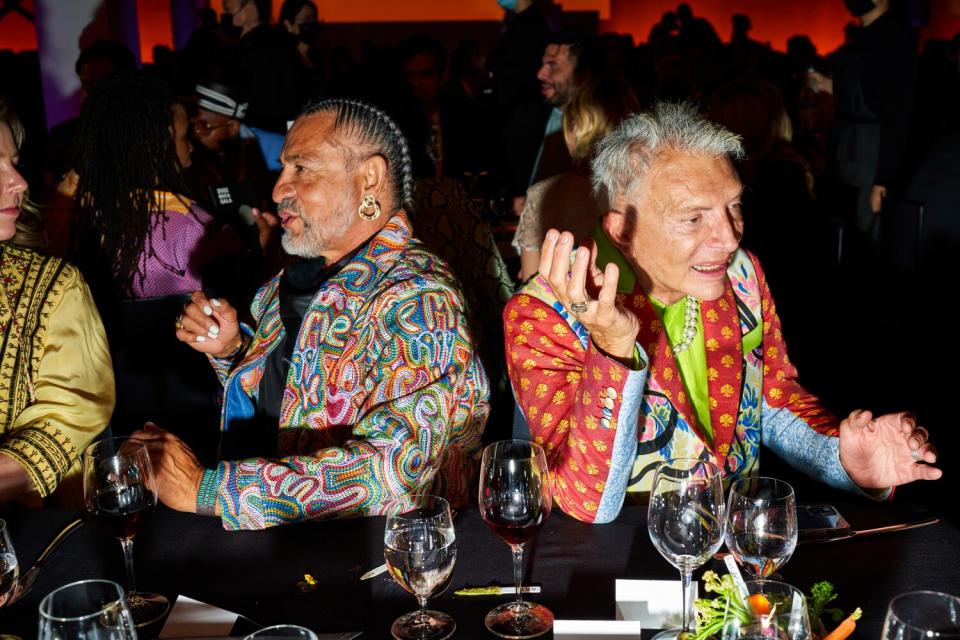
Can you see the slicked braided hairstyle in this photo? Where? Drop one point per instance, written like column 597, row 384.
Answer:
column 125, row 153
column 372, row 126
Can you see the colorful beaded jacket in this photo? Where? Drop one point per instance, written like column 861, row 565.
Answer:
column 384, row 397
column 605, row 426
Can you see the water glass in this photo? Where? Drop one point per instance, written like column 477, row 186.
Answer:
column 420, row 548
column 282, row 631
column 90, row 609
column 922, row 615
column 9, row 569
column 761, row 524
column 772, row 610
column 685, row 521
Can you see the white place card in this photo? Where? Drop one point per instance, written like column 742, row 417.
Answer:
column 596, row 629
column 654, row 603
column 194, row 619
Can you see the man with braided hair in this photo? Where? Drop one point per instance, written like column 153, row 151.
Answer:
column 359, row 385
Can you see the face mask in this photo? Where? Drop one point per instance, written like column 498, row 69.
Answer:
column 508, row 5
column 859, row 7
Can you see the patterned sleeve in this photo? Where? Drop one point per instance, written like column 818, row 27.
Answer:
column 419, row 382
column 223, row 366
column 529, row 234
column 781, row 389
column 580, row 405
column 73, row 393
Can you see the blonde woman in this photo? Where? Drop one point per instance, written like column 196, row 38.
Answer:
column 566, row 201
column 56, row 379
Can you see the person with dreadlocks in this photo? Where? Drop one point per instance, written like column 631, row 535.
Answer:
column 56, row 380
column 359, row 386
column 134, row 232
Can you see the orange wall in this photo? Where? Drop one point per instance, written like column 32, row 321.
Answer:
column 16, row 32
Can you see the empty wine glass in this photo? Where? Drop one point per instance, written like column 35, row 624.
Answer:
column 772, row 610
column 685, row 520
column 9, row 569
column 90, row 609
column 921, row 615
column 761, row 524
column 420, row 549
column 515, row 500
column 282, row 631
column 120, row 491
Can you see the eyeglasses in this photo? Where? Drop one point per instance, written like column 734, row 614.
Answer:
column 205, row 127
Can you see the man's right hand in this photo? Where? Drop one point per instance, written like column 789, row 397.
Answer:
column 209, row 326
column 612, row 327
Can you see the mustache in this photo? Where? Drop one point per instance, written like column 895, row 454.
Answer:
column 289, row 204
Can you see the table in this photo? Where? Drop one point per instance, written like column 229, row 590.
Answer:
column 256, row 573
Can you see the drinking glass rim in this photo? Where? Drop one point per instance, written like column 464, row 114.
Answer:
column 88, row 450
column 776, row 481
column 46, row 600
column 535, row 448
column 416, row 502
column 274, row 627
column 945, row 596
column 781, row 583
column 672, row 461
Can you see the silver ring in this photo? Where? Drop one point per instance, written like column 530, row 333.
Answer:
column 915, row 454
column 579, row 307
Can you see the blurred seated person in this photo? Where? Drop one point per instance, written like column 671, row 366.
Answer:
column 359, row 386
column 661, row 339
column 154, row 240
column 56, row 382
column 566, row 201
column 229, row 154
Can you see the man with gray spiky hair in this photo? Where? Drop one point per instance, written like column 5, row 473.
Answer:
column 659, row 339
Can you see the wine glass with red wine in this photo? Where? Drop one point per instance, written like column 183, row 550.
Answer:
column 515, row 500
column 120, row 491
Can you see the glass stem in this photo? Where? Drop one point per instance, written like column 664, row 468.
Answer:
column 517, row 550
column 685, row 579
column 127, row 544
column 422, row 613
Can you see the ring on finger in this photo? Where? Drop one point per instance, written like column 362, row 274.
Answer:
column 579, row 307
column 179, row 322
column 915, row 454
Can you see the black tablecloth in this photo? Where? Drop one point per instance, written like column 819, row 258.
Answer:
column 256, row 573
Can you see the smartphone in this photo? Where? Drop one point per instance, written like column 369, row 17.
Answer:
column 816, row 520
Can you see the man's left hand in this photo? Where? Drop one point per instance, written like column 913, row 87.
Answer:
column 878, row 453
column 177, row 470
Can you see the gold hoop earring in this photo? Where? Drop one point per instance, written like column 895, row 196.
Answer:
column 369, row 208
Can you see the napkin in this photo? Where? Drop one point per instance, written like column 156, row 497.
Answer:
column 596, row 629
column 655, row 603
column 193, row 619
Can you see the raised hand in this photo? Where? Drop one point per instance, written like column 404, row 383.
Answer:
column 887, row 451
column 209, row 326
column 612, row 328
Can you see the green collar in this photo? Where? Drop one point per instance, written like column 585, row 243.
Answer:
column 607, row 253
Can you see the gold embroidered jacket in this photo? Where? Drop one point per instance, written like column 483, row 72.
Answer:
column 56, row 377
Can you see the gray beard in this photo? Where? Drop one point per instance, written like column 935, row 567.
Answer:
column 316, row 238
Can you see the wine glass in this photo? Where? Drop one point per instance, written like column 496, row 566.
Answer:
column 772, row 610
column 921, row 615
column 761, row 524
column 685, row 520
column 120, row 491
column 282, row 631
column 515, row 500
column 420, row 549
column 9, row 569
column 93, row 609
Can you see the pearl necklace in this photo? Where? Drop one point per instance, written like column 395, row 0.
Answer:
column 690, row 316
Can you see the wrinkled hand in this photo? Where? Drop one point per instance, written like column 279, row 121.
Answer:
column 877, row 194
column 612, row 328
column 876, row 451
column 267, row 224
column 176, row 468
column 209, row 326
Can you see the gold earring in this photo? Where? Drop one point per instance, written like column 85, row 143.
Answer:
column 366, row 205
